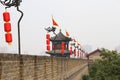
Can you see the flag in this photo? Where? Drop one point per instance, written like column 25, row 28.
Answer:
column 74, row 40
column 54, row 22
column 78, row 44
column 67, row 34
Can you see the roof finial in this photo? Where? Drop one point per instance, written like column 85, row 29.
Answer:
column 60, row 30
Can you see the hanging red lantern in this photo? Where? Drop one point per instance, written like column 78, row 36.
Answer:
column 7, row 27
column 71, row 50
column 47, row 36
column 6, row 16
column 81, row 55
column 63, row 46
column 74, row 52
column 48, row 47
column 8, row 37
column 48, row 42
column 78, row 53
column 62, row 51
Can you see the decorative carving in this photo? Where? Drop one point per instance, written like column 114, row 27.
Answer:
column 9, row 3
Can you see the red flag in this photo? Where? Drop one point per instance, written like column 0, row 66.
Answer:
column 67, row 34
column 79, row 45
column 74, row 40
column 54, row 22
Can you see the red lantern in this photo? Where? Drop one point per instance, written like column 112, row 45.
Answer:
column 48, row 47
column 81, row 55
column 71, row 50
column 63, row 46
column 7, row 27
column 6, row 16
column 62, row 51
column 78, row 52
column 48, row 42
column 8, row 37
column 74, row 52
column 47, row 36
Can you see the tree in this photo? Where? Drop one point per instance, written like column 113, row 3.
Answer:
column 108, row 68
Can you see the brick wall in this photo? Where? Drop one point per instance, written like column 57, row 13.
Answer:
column 27, row 67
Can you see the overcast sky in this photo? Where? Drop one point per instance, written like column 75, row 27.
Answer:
column 91, row 22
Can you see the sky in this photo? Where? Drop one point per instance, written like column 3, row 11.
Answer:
column 93, row 23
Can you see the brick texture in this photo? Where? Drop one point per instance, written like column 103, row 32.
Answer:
column 28, row 67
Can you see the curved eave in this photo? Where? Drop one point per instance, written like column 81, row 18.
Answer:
column 60, row 37
column 60, row 40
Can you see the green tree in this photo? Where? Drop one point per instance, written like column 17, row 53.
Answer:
column 108, row 68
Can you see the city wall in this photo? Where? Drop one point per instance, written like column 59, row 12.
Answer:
column 28, row 67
